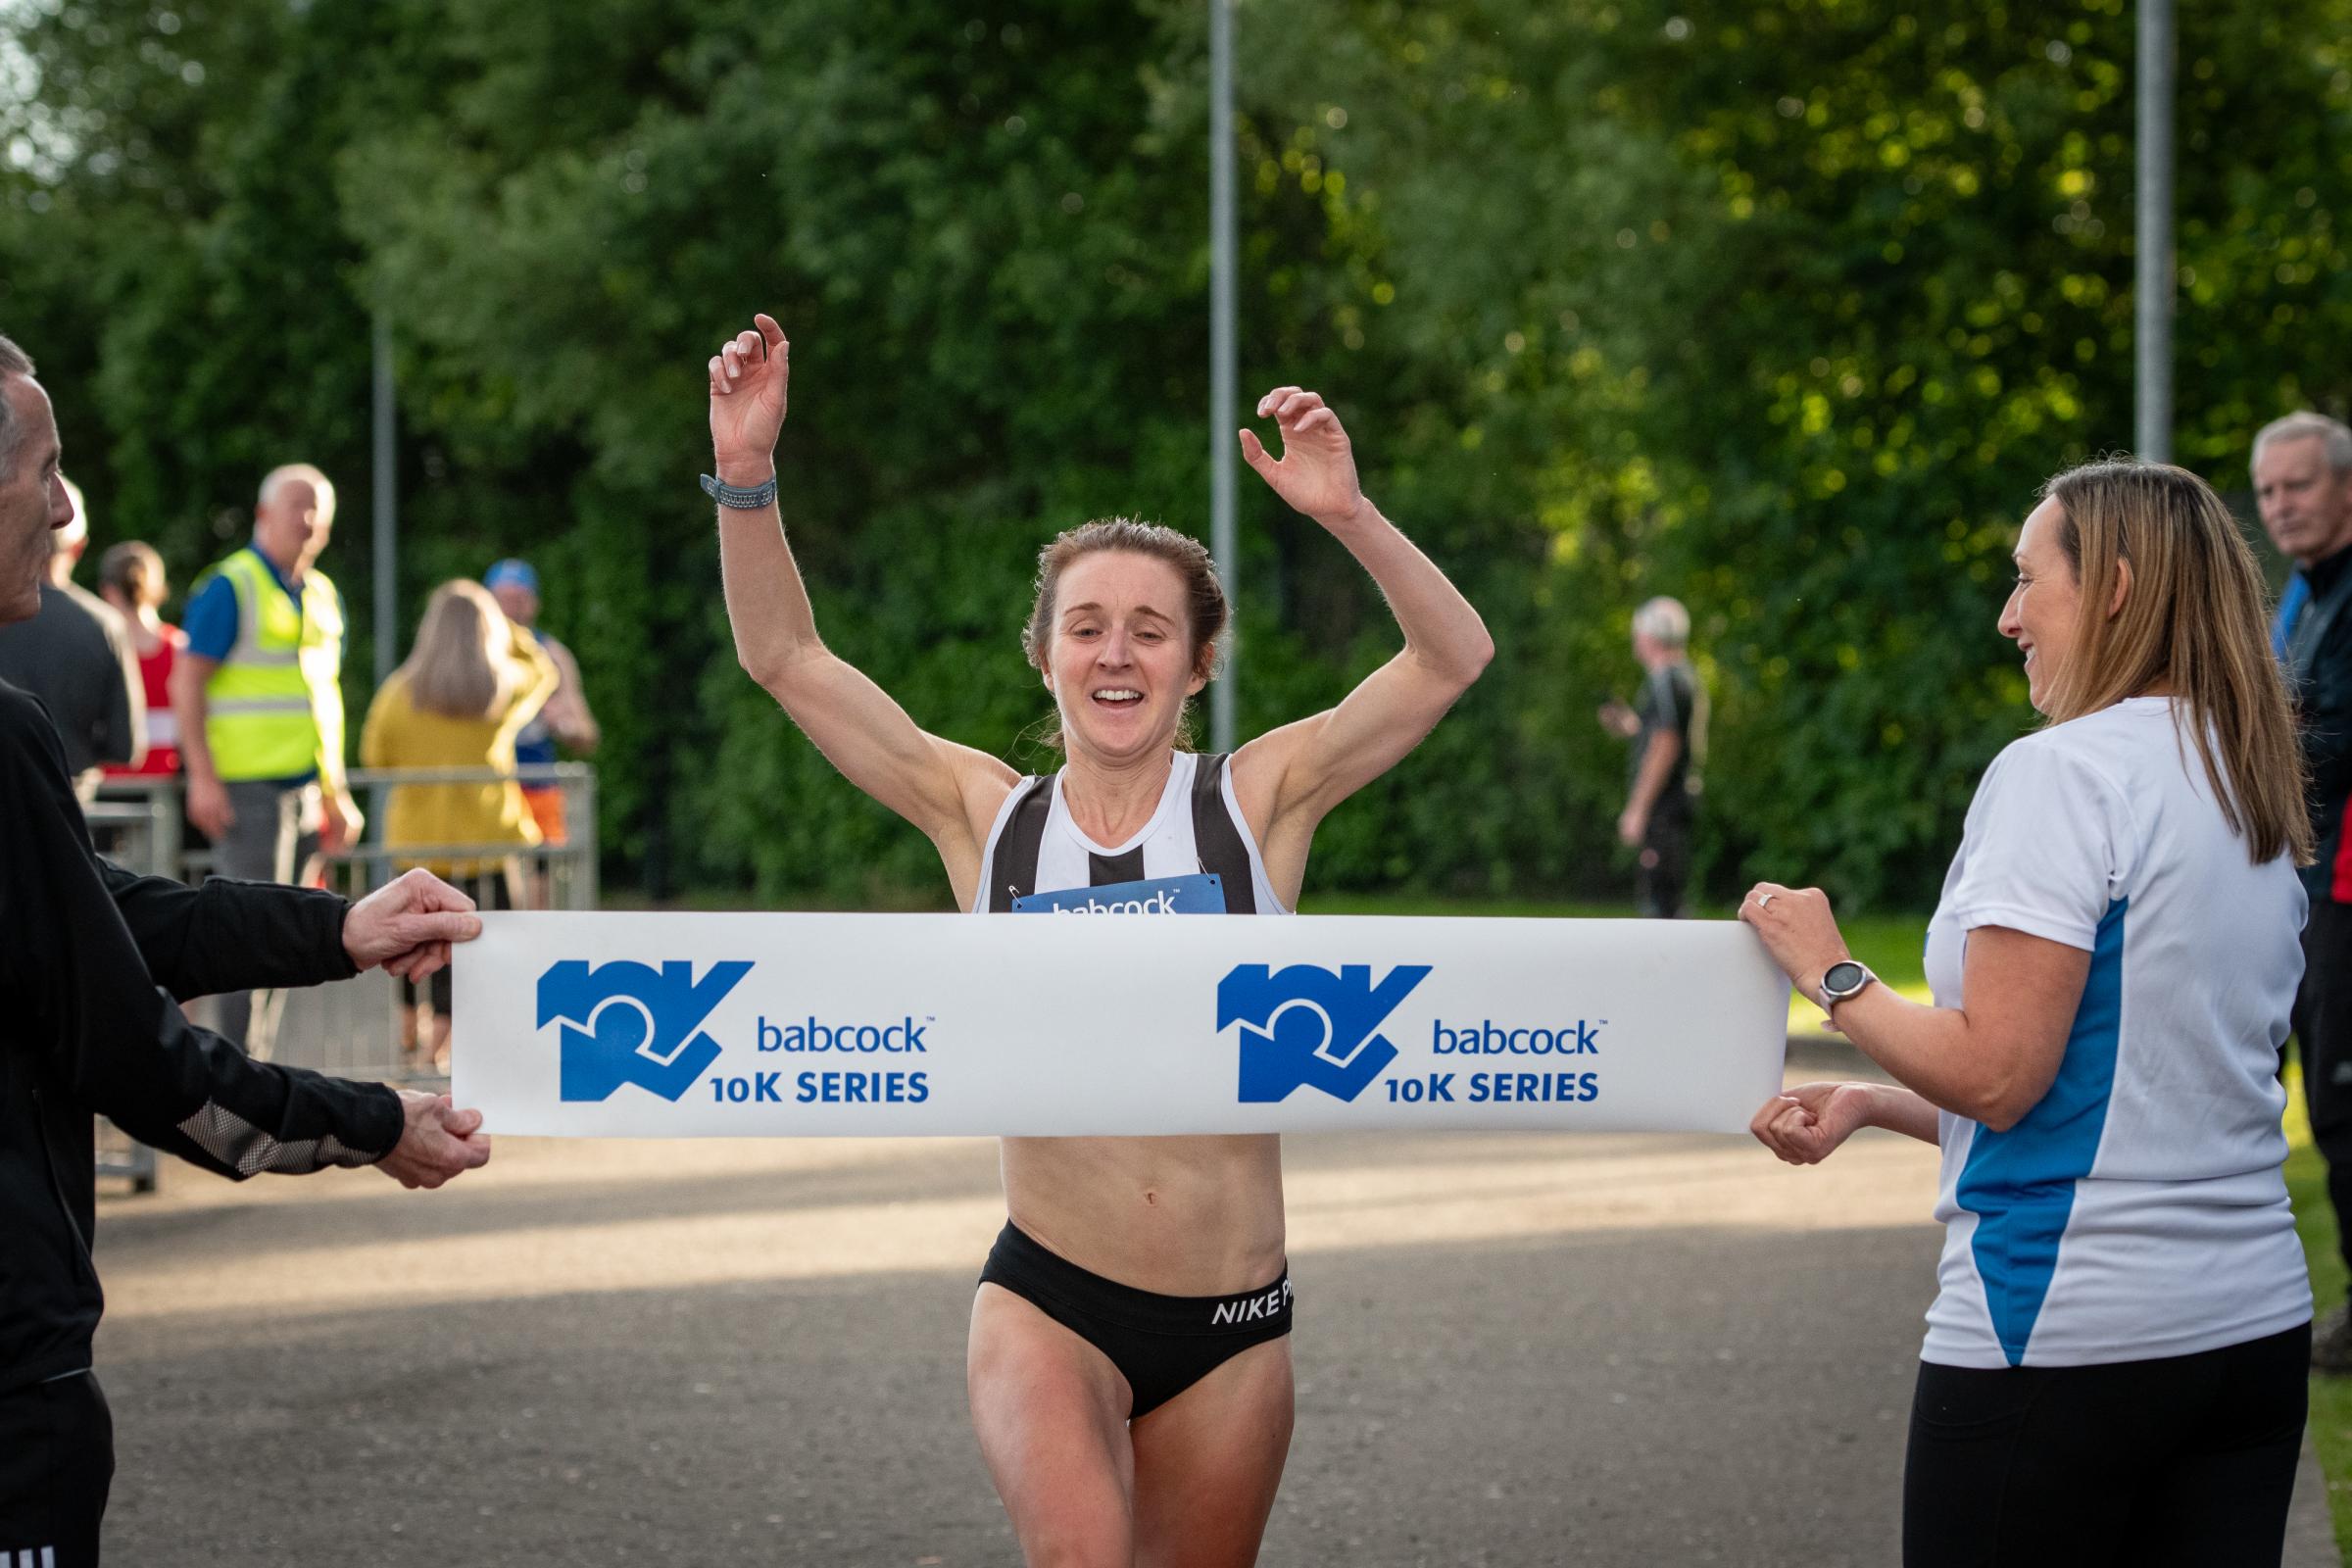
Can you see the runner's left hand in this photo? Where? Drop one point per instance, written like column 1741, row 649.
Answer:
column 1316, row 473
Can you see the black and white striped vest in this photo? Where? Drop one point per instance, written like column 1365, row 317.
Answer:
column 1034, row 845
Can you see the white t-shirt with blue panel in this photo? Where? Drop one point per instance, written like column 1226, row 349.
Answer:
column 2139, row 1210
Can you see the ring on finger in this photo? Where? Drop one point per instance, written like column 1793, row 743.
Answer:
column 1763, row 900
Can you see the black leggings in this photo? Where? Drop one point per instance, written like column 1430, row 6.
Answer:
column 1664, row 873
column 57, row 1464
column 2186, row 1461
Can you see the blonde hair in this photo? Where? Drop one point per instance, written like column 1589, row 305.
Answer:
column 458, row 664
column 2192, row 624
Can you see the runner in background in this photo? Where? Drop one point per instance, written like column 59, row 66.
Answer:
column 565, row 721
column 1668, row 726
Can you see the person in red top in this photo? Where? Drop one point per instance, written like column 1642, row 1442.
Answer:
column 131, row 577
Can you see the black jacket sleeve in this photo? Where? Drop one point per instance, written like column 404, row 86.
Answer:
column 229, row 935
column 88, row 1007
column 2326, row 714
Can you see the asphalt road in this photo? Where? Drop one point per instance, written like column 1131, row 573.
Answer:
column 1512, row 1350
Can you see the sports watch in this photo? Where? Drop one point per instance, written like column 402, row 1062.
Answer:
column 736, row 499
column 1840, row 980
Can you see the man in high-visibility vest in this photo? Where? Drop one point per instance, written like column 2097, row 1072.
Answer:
column 258, row 694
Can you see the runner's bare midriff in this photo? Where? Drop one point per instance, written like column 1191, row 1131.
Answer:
column 1179, row 1216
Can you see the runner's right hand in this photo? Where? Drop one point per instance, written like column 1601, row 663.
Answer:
column 747, row 377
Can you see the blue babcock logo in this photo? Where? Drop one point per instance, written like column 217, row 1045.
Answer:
column 1307, row 1025
column 630, row 1023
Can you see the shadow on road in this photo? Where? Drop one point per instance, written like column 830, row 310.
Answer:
column 1694, row 1397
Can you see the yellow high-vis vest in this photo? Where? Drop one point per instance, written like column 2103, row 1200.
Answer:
column 274, row 708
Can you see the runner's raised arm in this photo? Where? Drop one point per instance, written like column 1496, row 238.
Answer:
column 949, row 790
column 1290, row 778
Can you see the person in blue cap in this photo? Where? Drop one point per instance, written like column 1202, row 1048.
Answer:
column 564, row 721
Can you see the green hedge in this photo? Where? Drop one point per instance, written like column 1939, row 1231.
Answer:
column 1785, row 308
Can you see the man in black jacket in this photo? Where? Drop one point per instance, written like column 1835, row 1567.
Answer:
column 85, row 1028
column 2303, row 485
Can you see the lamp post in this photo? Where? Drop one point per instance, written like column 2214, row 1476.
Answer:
column 2153, row 300
column 387, row 507
column 1221, row 441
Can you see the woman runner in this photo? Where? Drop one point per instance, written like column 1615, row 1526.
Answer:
column 1129, row 1366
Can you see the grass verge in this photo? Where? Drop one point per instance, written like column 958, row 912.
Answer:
column 2330, row 1396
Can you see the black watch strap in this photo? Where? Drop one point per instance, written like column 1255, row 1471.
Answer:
column 727, row 495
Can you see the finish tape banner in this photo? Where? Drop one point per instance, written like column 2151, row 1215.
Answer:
column 614, row 1025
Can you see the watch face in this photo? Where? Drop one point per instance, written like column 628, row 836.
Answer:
column 1843, row 979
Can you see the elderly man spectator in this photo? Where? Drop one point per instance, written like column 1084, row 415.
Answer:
column 89, row 1024
column 2303, row 485
column 258, row 693
column 1668, row 724
column 76, row 656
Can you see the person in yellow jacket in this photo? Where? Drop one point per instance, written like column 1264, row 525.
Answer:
column 471, row 682
column 258, row 699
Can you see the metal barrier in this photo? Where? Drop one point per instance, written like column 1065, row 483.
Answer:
column 359, row 1028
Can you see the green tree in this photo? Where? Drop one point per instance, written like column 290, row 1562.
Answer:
column 1785, row 306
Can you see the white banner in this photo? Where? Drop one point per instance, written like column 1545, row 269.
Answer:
column 756, row 1025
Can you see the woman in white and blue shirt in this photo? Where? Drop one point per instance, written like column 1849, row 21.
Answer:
column 2114, row 1363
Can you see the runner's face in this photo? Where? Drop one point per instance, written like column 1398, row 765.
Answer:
column 32, row 500
column 1121, row 663
column 2039, row 617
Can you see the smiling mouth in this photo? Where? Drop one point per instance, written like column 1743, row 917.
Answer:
column 1117, row 697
